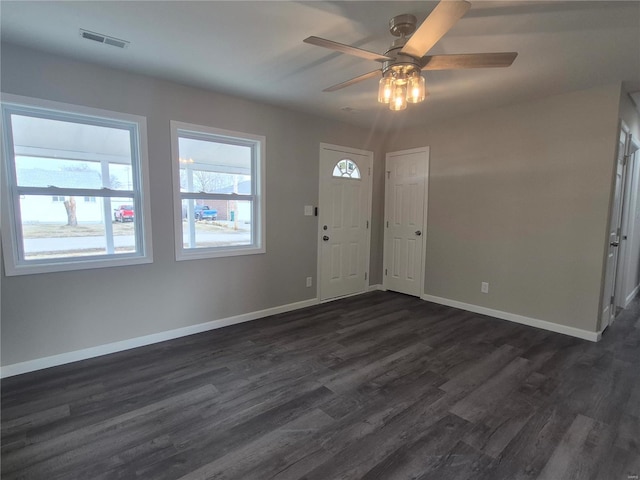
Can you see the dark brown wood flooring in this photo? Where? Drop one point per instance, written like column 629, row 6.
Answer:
column 378, row 386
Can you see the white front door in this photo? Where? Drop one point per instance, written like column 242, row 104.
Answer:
column 608, row 300
column 344, row 211
column 405, row 207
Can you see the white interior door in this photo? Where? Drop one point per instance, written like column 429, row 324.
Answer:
column 405, row 220
column 608, row 298
column 625, row 285
column 344, row 217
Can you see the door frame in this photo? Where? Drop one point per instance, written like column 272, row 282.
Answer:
column 427, row 152
column 608, row 319
column 369, row 184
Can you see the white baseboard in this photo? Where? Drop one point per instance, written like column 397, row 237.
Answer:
column 68, row 357
column 512, row 317
column 631, row 296
column 373, row 288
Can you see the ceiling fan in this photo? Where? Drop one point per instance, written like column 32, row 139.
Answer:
column 403, row 62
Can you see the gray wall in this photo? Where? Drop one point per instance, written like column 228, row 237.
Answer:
column 48, row 314
column 519, row 198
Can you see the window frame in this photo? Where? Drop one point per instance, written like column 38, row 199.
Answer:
column 206, row 133
column 12, row 240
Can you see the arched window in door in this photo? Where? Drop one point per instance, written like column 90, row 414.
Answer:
column 346, row 168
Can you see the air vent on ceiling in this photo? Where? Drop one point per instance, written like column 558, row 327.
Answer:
column 100, row 38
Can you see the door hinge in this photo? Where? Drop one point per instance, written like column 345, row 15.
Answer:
column 387, row 223
column 369, row 171
column 388, row 174
column 385, row 271
column 367, row 223
column 365, row 275
column 626, row 158
column 612, row 299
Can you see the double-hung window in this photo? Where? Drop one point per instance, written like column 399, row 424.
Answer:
column 218, row 179
column 68, row 171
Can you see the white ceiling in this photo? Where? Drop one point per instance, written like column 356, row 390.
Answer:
column 255, row 49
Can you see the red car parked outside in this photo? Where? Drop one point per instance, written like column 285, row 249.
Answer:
column 124, row 213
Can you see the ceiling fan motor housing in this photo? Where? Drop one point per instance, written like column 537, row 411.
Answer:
column 402, row 65
column 403, row 25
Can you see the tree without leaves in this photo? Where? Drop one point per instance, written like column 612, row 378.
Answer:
column 210, row 181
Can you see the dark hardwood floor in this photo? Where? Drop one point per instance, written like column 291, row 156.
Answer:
column 379, row 386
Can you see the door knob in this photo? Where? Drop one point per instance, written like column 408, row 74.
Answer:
column 418, row 232
column 615, row 244
column 325, row 238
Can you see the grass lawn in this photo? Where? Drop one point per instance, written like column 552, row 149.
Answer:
column 57, row 230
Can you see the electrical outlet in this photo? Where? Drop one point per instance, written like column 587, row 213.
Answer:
column 484, row 287
column 309, row 281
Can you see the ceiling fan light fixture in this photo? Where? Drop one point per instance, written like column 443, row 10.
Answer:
column 402, row 63
column 401, row 84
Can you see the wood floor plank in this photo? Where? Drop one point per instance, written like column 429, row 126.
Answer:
column 477, row 374
column 67, row 451
column 575, row 455
column 236, row 463
column 461, row 463
column 481, row 401
column 419, row 457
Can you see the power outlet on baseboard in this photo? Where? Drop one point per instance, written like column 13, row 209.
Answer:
column 484, row 287
column 309, row 281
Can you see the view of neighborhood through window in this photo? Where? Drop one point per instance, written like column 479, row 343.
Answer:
column 218, row 191
column 69, row 177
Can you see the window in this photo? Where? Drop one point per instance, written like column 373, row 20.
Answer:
column 346, row 168
column 67, row 171
column 218, row 192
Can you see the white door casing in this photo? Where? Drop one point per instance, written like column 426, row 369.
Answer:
column 344, row 221
column 405, row 220
column 608, row 300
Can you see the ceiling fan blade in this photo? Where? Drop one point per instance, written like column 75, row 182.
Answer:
column 366, row 76
column 439, row 22
column 341, row 47
column 468, row 60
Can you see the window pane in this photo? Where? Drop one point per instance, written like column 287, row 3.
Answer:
column 60, row 153
column 346, row 168
column 216, row 223
column 214, row 167
column 72, row 228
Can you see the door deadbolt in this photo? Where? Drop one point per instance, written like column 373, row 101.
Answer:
column 418, row 233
